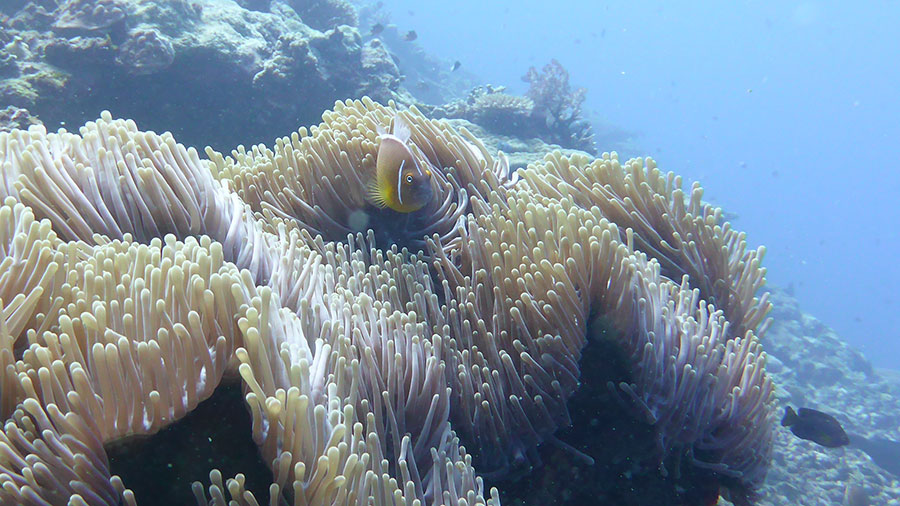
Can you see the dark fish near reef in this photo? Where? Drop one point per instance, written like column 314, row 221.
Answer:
column 376, row 29
column 825, row 430
column 400, row 183
column 455, row 66
column 410, row 36
column 815, row 426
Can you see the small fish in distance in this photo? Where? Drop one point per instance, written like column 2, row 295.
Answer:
column 376, row 29
column 455, row 66
column 410, row 36
column 815, row 426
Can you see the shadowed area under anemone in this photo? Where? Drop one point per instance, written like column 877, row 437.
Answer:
column 626, row 469
column 160, row 468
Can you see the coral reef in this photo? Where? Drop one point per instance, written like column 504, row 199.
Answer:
column 520, row 152
column 384, row 75
column 325, row 14
column 14, row 117
column 136, row 275
column 89, row 15
column 814, row 367
column 186, row 63
column 558, row 105
column 145, row 52
column 551, row 110
column 502, row 113
column 427, row 79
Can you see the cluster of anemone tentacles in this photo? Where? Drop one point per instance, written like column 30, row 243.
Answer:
column 135, row 273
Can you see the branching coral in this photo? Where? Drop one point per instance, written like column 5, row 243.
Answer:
column 374, row 375
column 551, row 111
column 558, row 106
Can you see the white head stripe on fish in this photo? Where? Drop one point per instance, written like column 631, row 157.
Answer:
column 400, row 181
column 416, row 162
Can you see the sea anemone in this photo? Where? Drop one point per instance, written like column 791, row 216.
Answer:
column 137, row 274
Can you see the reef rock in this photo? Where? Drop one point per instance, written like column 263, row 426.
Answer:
column 519, row 151
column 89, row 15
column 145, row 52
column 14, row 117
column 554, row 115
column 325, row 14
column 384, row 74
column 814, row 367
column 209, row 66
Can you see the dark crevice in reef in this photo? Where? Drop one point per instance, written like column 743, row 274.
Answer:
column 216, row 435
column 626, row 471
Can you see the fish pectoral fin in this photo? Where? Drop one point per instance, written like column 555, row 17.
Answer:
column 375, row 195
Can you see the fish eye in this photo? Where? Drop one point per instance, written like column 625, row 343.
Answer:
column 409, row 179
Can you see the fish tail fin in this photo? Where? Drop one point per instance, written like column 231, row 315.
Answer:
column 790, row 417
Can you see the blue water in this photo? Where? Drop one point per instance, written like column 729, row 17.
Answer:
column 787, row 112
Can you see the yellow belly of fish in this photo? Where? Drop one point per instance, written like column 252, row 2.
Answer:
column 383, row 194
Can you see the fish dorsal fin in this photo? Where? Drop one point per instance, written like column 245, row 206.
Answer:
column 401, row 130
column 790, row 417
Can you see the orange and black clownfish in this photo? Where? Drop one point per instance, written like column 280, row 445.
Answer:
column 400, row 182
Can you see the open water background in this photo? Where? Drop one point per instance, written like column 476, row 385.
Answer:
column 787, row 112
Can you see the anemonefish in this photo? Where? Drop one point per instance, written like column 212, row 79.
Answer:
column 400, row 182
